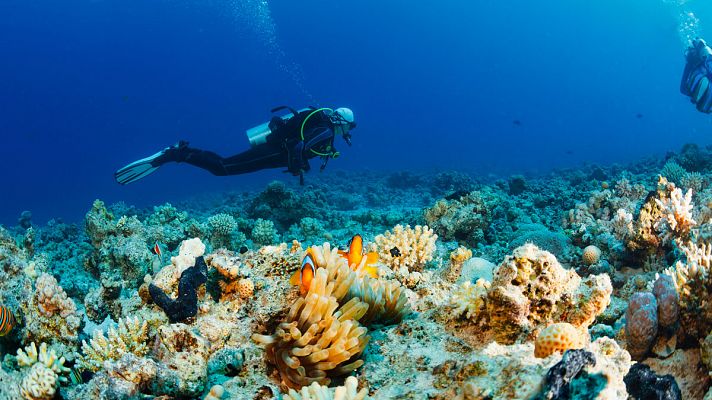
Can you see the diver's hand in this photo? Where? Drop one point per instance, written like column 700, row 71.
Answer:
column 697, row 75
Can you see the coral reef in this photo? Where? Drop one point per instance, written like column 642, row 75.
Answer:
column 516, row 289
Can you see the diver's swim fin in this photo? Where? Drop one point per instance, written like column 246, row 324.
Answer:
column 146, row 166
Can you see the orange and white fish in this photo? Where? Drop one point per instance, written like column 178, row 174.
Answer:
column 7, row 321
column 355, row 256
column 157, row 250
column 304, row 275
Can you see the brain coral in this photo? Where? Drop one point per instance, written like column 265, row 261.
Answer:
column 557, row 338
column 591, row 255
column 531, row 290
column 641, row 326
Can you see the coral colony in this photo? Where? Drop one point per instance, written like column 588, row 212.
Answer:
column 590, row 283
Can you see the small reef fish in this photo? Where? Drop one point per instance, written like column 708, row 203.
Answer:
column 7, row 321
column 158, row 252
column 395, row 252
column 305, row 274
column 75, row 376
column 355, row 255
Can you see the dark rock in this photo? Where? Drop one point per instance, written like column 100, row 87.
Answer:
column 556, row 382
column 643, row 384
column 25, row 220
column 517, row 185
column 186, row 304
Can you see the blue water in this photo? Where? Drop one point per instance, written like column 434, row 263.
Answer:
column 88, row 86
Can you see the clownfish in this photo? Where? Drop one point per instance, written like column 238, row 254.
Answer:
column 304, row 275
column 355, row 256
column 7, row 321
column 157, row 250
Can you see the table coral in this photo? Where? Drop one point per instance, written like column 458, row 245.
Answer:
column 415, row 247
column 318, row 339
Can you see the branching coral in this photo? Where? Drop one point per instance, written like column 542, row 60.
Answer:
column 414, row 247
column 693, row 280
column 469, row 299
column 317, row 392
column 264, row 233
column 677, row 215
column 318, row 338
column 130, row 337
column 44, row 375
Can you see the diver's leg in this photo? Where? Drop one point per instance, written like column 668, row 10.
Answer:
column 254, row 159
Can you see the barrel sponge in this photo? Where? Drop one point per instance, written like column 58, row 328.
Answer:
column 668, row 301
column 557, row 337
column 316, row 391
column 415, row 247
column 130, row 336
column 318, row 338
column 641, row 326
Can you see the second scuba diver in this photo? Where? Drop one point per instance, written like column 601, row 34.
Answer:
column 697, row 75
column 284, row 142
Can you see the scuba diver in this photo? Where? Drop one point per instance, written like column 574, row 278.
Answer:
column 287, row 141
column 697, row 75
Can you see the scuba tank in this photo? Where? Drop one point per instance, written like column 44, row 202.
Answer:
column 258, row 134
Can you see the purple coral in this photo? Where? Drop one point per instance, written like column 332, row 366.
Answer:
column 641, row 326
column 668, row 301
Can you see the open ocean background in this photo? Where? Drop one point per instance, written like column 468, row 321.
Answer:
column 491, row 87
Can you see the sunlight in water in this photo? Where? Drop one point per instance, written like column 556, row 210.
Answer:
column 257, row 17
column 687, row 21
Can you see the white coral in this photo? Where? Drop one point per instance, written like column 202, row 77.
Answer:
column 44, row 375
column 316, row 391
column 469, row 299
column 406, row 247
column 677, row 220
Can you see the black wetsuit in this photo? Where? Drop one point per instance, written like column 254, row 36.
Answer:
column 284, row 148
